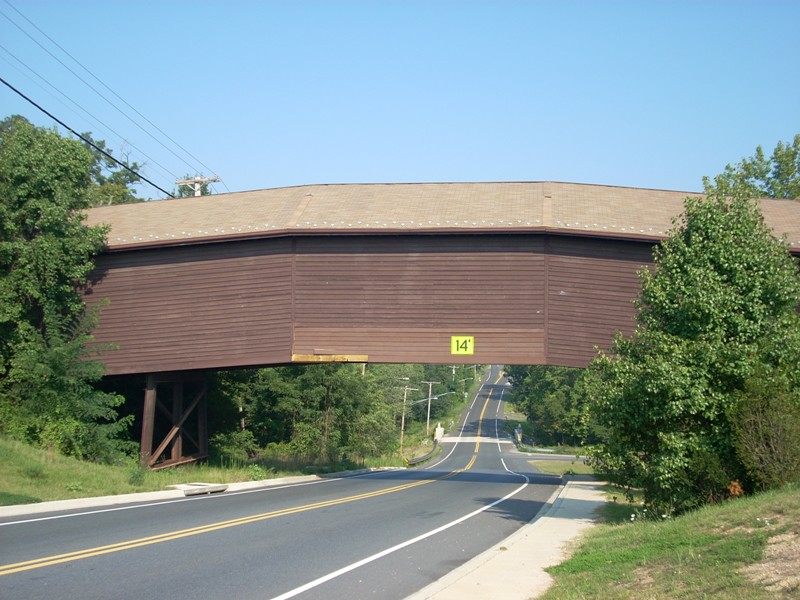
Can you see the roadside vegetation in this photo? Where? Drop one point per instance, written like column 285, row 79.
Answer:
column 324, row 414
column 748, row 547
column 694, row 418
column 701, row 402
column 30, row 475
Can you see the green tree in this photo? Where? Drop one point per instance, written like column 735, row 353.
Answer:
column 110, row 183
column 775, row 177
column 719, row 304
column 554, row 402
column 322, row 412
column 319, row 412
column 46, row 254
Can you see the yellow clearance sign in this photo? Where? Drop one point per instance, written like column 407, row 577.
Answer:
column 462, row 344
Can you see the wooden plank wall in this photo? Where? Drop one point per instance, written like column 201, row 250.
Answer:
column 527, row 299
column 195, row 307
column 399, row 299
column 591, row 288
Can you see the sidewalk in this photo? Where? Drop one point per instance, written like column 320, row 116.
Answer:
column 514, row 568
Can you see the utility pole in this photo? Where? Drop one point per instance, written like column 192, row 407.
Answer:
column 197, row 183
column 406, row 389
column 430, row 388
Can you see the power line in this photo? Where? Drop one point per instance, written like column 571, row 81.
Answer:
column 107, row 87
column 92, row 144
column 91, row 87
column 96, row 119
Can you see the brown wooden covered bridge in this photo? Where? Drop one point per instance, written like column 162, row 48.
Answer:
column 449, row 273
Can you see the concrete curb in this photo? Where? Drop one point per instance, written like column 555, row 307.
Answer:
column 101, row 501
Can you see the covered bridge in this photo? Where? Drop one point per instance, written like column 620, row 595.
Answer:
column 508, row 273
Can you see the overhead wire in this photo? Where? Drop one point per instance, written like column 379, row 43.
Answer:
column 82, row 66
column 91, row 87
column 191, row 167
column 164, row 170
column 84, row 139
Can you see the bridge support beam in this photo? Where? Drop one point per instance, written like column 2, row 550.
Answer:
column 181, row 425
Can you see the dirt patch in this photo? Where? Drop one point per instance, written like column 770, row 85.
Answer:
column 642, row 578
column 765, row 524
column 779, row 570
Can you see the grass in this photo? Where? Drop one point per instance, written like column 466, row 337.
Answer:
column 698, row 555
column 29, row 475
column 562, row 467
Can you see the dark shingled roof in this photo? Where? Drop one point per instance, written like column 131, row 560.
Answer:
column 594, row 210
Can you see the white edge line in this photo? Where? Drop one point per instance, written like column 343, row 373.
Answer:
column 374, row 557
column 497, row 424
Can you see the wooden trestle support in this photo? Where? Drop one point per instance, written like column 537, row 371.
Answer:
column 182, row 426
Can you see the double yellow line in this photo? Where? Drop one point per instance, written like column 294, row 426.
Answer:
column 175, row 535
column 478, row 439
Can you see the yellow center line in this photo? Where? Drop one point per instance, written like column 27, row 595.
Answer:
column 174, row 535
column 480, row 422
column 165, row 537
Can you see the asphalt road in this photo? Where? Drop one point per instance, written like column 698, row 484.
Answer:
column 381, row 535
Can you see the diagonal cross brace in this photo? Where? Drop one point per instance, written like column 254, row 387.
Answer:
column 177, row 427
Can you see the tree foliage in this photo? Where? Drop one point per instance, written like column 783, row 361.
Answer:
column 775, row 177
column 46, row 254
column 554, row 402
column 110, row 182
column 718, row 307
column 325, row 412
column 766, row 429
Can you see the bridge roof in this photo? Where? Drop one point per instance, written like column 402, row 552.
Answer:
column 578, row 209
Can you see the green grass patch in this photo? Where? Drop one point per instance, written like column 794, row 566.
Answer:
column 29, row 475
column 699, row 554
column 562, row 467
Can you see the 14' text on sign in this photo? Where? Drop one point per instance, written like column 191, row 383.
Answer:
column 462, row 344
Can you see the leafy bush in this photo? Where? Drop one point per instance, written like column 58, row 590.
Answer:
column 766, row 428
column 237, row 446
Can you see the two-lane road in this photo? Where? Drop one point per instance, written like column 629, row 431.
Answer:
column 381, row 535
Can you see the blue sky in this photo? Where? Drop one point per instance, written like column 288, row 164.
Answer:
column 279, row 93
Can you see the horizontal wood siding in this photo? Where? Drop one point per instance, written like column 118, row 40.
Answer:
column 591, row 288
column 400, row 299
column 196, row 307
column 526, row 298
